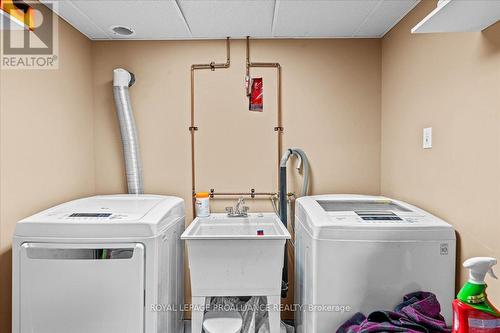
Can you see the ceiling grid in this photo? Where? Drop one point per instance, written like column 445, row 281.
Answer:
column 216, row 19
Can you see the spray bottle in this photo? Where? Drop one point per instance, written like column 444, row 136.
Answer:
column 472, row 312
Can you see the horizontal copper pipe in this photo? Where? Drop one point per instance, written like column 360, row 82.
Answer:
column 210, row 66
column 250, row 194
column 264, row 64
column 243, row 193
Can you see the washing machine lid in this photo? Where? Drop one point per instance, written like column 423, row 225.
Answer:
column 365, row 217
column 105, row 216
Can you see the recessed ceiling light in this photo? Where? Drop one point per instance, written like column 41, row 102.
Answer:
column 121, row 30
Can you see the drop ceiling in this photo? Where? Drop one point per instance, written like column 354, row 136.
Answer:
column 203, row 19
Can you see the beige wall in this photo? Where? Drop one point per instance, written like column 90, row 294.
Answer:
column 331, row 109
column 450, row 82
column 46, row 143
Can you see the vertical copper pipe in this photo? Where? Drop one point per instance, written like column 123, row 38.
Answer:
column 247, row 75
column 279, row 128
column 280, row 118
column 192, row 128
column 228, row 52
column 248, row 54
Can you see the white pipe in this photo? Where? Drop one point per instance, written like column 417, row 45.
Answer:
column 122, row 80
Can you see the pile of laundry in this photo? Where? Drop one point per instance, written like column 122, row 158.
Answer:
column 419, row 312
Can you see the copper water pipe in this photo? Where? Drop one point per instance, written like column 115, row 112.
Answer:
column 279, row 128
column 212, row 66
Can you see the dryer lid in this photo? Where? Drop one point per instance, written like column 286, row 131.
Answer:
column 103, row 216
column 101, row 208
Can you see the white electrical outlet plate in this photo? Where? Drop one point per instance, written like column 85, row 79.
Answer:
column 427, row 138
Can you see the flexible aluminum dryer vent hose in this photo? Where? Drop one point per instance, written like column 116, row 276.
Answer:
column 122, row 80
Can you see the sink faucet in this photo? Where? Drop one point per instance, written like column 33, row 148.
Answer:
column 239, row 204
column 239, row 210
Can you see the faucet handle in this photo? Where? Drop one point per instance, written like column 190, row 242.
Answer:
column 229, row 210
column 245, row 209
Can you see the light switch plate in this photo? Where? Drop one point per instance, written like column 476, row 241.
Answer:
column 427, row 138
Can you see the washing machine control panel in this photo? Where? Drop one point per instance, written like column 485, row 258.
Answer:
column 378, row 216
column 364, row 218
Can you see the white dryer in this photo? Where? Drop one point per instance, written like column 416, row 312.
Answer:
column 104, row 264
column 356, row 253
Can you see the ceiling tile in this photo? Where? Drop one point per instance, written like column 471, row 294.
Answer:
column 75, row 17
column 319, row 18
column 237, row 18
column 149, row 19
column 385, row 16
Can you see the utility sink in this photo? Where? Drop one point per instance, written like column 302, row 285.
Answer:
column 260, row 226
column 236, row 256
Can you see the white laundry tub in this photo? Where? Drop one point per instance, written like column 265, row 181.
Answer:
column 228, row 257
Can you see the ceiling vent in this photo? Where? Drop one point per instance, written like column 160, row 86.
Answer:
column 120, row 30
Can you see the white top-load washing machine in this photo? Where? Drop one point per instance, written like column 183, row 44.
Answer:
column 104, row 264
column 356, row 253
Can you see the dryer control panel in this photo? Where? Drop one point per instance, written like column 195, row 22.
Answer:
column 91, row 215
